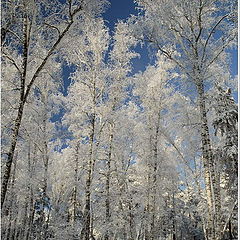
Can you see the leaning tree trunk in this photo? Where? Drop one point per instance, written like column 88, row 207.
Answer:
column 18, row 120
column 211, row 180
column 12, row 204
column 24, row 94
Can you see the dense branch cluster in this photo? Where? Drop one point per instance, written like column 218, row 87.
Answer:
column 114, row 154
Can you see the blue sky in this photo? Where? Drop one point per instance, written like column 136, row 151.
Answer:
column 121, row 10
column 118, row 9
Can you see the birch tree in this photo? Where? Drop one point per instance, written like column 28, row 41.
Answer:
column 85, row 115
column 195, row 36
column 225, row 153
column 153, row 82
column 34, row 31
column 117, row 155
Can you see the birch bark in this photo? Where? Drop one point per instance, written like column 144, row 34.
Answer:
column 107, row 186
column 25, row 90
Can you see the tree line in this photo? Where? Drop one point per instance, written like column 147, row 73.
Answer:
column 118, row 155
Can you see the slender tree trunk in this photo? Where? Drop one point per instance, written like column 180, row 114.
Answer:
column 18, row 120
column 24, row 94
column 154, row 144
column 31, row 169
column 28, row 233
column 85, row 234
column 8, row 166
column 91, row 226
column 12, row 204
column 153, row 204
column 230, row 230
column 124, row 232
column 73, row 218
column 174, row 222
column 107, row 185
column 147, row 208
column 44, row 96
column 147, row 216
column 25, row 217
column 76, row 184
column 211, row 182
column 87, row 215
column 7, row 171
column 131, row 223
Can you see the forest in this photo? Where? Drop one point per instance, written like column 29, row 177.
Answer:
column 92, row 149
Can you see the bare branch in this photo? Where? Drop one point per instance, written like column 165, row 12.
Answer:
column 13, row 62
column 51, row 51
column 54, row 27
column 14, row 34
column 210, row 34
